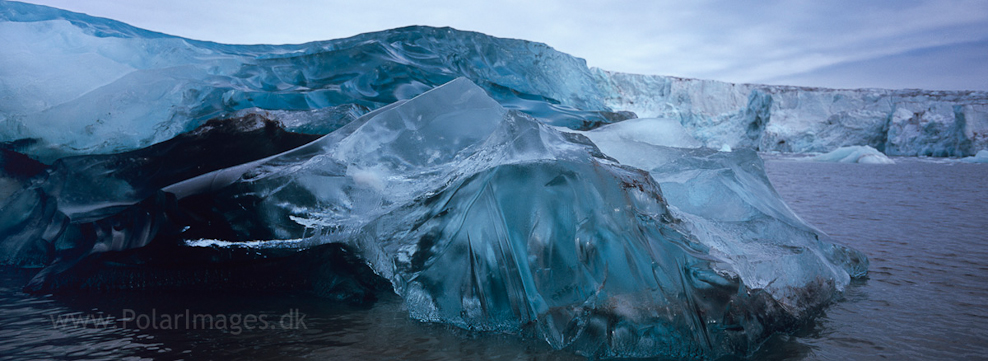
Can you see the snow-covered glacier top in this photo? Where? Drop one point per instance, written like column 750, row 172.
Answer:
column 75, row 84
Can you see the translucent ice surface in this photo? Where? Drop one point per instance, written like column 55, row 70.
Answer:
column 654, row 131
column 478, row 216
column 74, row 84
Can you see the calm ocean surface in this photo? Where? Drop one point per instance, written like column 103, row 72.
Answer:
column 923, row 224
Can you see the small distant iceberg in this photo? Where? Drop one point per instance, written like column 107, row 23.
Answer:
column 981, row 157
column 854, row 154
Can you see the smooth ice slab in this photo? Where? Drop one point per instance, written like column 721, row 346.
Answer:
column 727, row 202
column 655, row 131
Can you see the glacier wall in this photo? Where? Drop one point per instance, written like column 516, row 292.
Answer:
column 801, row 120
column 72, row 84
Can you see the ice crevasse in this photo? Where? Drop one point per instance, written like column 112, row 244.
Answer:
column 478, row 216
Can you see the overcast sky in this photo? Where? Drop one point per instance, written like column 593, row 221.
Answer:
column 930, row 44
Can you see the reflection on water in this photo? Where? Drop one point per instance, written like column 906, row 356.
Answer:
column 133, row 324
column 921, row 223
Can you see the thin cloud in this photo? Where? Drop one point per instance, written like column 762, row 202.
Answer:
column 725, row 40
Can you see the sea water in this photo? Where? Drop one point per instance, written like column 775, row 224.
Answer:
column 924, row 225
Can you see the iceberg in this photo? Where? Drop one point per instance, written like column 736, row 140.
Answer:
column 493, row 184
column 727, row 202
column 981, row 157
column 854, row 154
column 478, row 216
column 73, row 84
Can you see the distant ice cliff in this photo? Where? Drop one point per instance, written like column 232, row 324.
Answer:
column 800, row 120
column 73, row 84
